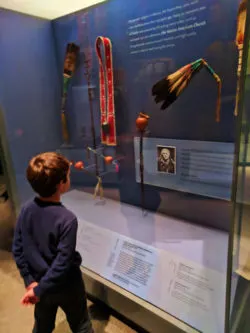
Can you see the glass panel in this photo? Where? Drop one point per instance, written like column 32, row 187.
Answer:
column 160, row 229
column 240, row 255
column 180, row 238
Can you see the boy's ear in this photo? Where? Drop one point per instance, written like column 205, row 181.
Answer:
column 60, row 185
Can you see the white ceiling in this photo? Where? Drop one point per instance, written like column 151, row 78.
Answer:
column 49, row 9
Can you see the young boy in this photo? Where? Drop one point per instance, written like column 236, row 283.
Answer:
column 44, row 248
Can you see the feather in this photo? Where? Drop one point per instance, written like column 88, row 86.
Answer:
column 170, row 88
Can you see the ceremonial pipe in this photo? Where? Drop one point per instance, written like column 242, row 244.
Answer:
column 141, row 124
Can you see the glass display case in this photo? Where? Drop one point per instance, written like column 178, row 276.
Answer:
column 144, row 100
column 238, row 255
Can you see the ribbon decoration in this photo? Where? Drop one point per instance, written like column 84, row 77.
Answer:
column 107, row 105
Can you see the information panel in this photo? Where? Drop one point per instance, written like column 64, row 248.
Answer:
column 163, row 29
column 203, row 168
column 183, row 288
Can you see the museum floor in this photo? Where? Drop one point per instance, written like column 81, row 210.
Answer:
column 15, row 318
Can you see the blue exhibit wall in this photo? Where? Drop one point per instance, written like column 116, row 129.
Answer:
column 143, row 53
column 29, row 93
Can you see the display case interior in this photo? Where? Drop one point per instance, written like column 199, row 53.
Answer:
column 143, row 101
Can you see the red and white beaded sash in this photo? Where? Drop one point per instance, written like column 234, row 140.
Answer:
column 107, row 105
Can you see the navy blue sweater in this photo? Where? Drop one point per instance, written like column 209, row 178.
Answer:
column 44, row 246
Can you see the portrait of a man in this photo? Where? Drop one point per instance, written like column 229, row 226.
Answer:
column 166, row 159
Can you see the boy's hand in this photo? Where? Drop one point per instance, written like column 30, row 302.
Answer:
column 29, row 298
column 32, row 286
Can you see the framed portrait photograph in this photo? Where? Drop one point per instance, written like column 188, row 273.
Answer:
column 166, row 159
